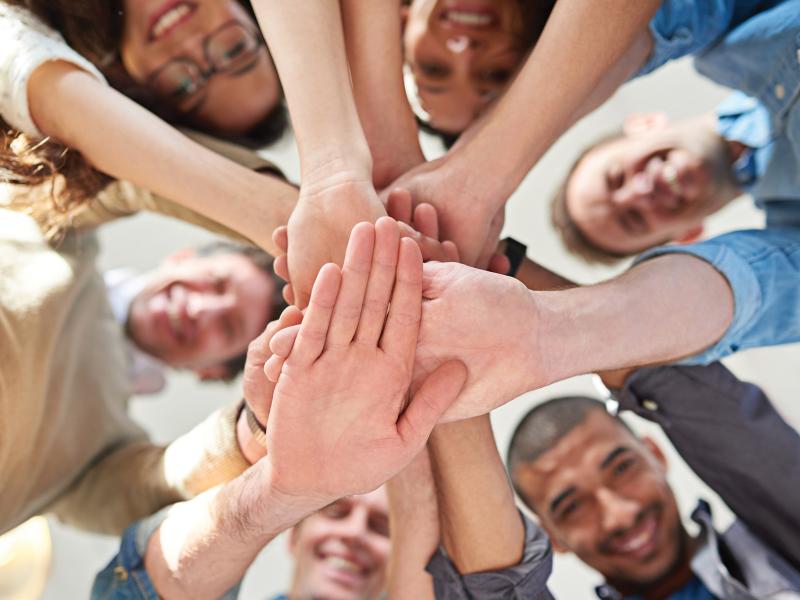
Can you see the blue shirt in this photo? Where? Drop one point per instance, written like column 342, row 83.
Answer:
column 755, row 48
column 694, row 590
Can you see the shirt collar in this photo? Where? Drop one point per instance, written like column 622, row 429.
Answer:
column 743, row 119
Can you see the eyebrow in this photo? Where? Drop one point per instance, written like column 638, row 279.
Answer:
column 432, row 89
column 562, row 497
column 612, row 456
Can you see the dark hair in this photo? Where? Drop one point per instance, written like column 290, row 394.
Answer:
column 263, row 261
column 447, row 138
column 543, row 426
column 575, row 240
column 93, row 28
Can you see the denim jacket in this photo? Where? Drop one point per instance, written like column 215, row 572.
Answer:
column 125, row 578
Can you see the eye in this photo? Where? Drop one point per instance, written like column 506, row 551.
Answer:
column 615, row 177
column 636, row 219
column 337, row 510
column 570, row 509
column 434, row 70
column 623, row 466
column 380, row 525
column 236, row 49
column 497, row 76
column 185, row 88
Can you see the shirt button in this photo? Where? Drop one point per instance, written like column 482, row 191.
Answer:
column 780, row 91
column 650, row 405
column 121, row 573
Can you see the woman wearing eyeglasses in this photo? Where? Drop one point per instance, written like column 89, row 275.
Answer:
column 68, row 72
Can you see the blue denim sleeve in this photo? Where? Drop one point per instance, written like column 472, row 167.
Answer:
column 763, row 270
column 525, row 581
column 125, row 578
column 684, row 27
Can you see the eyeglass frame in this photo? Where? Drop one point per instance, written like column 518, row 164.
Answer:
column 204, row 75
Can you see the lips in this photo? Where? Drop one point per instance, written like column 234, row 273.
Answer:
column 639, row 542
column 346, row 570
column 168, row 18
column 469, row 17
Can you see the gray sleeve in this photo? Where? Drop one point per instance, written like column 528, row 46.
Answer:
column 525, row 581
column 730, row 434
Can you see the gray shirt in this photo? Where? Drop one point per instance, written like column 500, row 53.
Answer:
column 733, row 438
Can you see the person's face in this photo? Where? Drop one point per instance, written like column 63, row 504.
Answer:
column 462, row 55
column 603, row 495
column 231, row 102
column 341, row 551
column 654, row 185
column 198, row 312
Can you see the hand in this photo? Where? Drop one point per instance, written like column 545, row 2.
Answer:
column 339, row 423
column 467, row 216
column 487, row 321
column 420, row 224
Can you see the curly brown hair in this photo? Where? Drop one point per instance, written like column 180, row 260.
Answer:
column 57, row 179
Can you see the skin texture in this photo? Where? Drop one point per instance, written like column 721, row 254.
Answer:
column 341, row 551
column 459, row 68
column 206, row 544
column 602, row 494
column 230, row 102
column 654, row 184
column 198, row 312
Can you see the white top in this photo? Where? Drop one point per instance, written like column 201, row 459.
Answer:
column 25, row 44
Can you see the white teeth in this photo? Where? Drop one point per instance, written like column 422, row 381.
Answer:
column 169, row 18
column 174, row 318
column 343, row 564
column 637, row 542
column 466, row 18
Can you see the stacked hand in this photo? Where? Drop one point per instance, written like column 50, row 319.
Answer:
column 340, row 421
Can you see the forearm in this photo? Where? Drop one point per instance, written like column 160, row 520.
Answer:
column 374, row 52
column 587, row 48
column 205, row 545
column 122, row 139
column 415, row 530
column 307, row 45
column 481, row 526
column 661, row 310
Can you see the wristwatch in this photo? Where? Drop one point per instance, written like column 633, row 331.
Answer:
column 257, row 429
column 515, row 251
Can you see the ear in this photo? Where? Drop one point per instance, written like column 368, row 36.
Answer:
column 637, row 123
column 655, row 450
column 181, row 255
column 554, row 542
column 212, row 373
column 692, row 235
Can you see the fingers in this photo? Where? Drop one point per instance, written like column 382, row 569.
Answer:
column 281, row 347
column 439, row 390
column 281, row 267
column 398, row 205
column 280, row 237
column 288, row 293
column 381, row 281
column 402, row 325
column 311, row 338
column 426, row 221
column 355, row 275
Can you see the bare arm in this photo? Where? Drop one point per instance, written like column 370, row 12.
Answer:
column 415, row 530
column 481, row 527
column 375, row 55
column 124, row 140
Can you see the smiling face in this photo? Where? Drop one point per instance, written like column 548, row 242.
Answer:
column 602, row 494
column 655, row 184
column 463, row 53
column 199, row 312
column 341, row 551
column 172, row 46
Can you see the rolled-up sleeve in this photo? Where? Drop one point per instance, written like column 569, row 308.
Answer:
column 762, row 268
column 524, row 581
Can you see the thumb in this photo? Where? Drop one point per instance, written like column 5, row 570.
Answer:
column 439, row 390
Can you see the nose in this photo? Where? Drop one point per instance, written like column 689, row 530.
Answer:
column 618, row 513
column 638, row 191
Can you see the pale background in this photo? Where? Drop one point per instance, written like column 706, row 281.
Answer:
column 141, row 241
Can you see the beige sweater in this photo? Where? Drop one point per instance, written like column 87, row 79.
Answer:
column 66, row 442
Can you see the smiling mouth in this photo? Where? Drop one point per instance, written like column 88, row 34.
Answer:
column 171, row 17
column 345, row 571
column 641, row 541
column 469, row 18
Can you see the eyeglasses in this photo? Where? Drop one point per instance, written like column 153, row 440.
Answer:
column 231, row 48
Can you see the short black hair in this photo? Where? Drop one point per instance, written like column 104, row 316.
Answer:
column 544, row 425
column 262, row 260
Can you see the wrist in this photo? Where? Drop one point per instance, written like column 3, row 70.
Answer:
column 329, row 166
